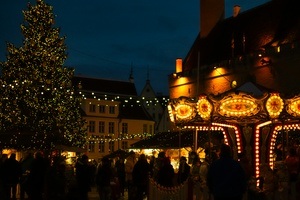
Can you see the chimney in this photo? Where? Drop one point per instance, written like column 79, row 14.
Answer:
column 236, row 10
column 211, row 12
column 178, row 65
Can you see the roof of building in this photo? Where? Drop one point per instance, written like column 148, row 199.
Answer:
column 130, row 108
column 134, row 110
column 105, row 86
column 271, row 24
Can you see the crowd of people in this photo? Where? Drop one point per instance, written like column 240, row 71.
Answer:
column 219, row 176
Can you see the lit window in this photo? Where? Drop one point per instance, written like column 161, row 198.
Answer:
column 101, row 109
column 101, row 127
column 111, row 109
column 145, row 129
column 91, row 146
column 101, row 147
column 92, row 126
column 92, row 108
column 111, row 146
column 111, row 127
column 125, row 128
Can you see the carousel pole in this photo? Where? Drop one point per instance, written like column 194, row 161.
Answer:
column 179, row 143
column 209, row 140
column 283, row 143
column 196, row 140
column 197, row 95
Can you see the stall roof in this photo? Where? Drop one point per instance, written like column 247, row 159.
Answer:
column 118, row 153
column 174, row 140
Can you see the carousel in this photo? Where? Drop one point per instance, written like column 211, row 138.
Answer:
column 264, row 126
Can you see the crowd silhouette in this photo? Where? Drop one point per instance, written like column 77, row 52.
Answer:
column 217, row 176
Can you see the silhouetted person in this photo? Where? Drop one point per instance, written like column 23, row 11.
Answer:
column 129, row 164
column 36, row 177
column 140, row 176
column 183, row 171
column 246, row 165
column 120, row 169
column 166, row 173
column 12, row 173
column 105, row 174
column 293, row 165
column 158, row 163
column 226, row 178
column 3, row 158
column 56, row 180
column 196, row 177
column 25, row 166
column 83, row 177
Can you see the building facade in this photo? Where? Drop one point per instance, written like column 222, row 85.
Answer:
column 114, row 116
column 156, row 106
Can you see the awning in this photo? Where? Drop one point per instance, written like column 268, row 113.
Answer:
column 70, row 148
column 118, row 153
column 174, row 140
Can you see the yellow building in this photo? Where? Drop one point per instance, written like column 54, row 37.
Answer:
column 114, row 114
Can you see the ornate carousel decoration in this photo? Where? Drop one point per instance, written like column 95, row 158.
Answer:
column 238, row 106
column 204, row 108
column 293, row 107
column 274, row 105
column 182, row 110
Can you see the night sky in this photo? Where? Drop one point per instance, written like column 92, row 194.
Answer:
column 105, row 39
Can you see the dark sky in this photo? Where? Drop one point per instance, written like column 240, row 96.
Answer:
column 106, row 38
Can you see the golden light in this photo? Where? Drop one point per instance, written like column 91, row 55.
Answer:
column 204, row 108
column 178, row 65
column 293, row 108
column 238, row 106
column 183, row 111
column 274, row 105
column 171, row 113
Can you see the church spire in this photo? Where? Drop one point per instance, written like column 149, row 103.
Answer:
column 148, row 79
column 131, row 79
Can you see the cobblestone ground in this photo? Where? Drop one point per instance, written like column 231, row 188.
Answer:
column 93, row 195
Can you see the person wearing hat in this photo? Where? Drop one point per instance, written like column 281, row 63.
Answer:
column 183, row 171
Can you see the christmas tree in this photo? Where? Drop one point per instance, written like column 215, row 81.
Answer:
column 39, row 106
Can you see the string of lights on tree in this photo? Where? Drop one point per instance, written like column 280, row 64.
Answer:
column 38, row 99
